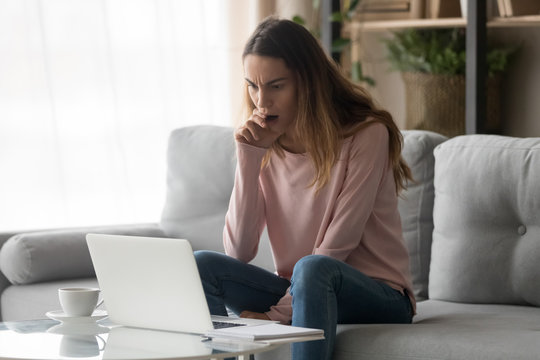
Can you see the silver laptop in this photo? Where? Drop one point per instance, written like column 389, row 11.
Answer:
column 153, row 283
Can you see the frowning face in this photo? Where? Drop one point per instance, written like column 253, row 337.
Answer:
column 273, row 90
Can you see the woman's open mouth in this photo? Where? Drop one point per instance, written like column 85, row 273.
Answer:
column 271, row 117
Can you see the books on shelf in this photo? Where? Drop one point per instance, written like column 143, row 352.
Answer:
column 390, row 10
column 508, row 8
column 373, row 10
column 264, row 332
column 501, row 6
column 437, row 9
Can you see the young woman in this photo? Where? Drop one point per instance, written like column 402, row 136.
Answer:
column 320, row 167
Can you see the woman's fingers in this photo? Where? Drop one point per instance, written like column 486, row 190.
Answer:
column 244, row 135
column 256, row 132
column 259, row 118
column 255, row 129
column 254, row 315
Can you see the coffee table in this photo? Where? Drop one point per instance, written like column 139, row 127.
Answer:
column 49, row 339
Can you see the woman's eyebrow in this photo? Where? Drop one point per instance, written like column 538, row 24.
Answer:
column 250, row 82
column 268, row 83
column 275, row 80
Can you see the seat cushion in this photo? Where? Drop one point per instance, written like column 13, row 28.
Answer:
column 445, row 330
column 416, row 205
column 487, row 224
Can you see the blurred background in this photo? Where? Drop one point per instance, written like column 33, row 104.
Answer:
column 91, row 89
column 89, row 92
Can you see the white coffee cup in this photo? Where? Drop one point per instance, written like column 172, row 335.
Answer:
column 78, row 301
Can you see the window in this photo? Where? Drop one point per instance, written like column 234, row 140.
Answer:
column 89, row 92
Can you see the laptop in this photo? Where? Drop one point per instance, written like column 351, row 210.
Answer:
column 154, row 283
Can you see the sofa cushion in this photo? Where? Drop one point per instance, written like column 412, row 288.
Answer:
column 57, row 254
column 449, row 331
column 487, row 225
column 200, row 176
column 416, row 204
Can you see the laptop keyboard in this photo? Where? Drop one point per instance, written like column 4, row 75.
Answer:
column 225, row 324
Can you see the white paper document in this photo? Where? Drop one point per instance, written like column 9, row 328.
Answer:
column 265, row 332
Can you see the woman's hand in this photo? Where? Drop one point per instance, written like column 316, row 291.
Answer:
column 257, row 131
column 253, row 315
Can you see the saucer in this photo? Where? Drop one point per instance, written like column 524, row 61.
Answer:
column 59, row 315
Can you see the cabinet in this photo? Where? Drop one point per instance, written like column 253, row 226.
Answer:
column 476, row 25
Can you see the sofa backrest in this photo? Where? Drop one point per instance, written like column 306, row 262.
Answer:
column 416, row 205
column 200, row 177
column 486, row 241
column 201, row 165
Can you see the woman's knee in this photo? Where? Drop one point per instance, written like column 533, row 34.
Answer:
column 206, row 256
column 313, row 273
column 208, row 261
column 312, row 266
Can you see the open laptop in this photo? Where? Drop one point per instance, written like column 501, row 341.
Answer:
column 154, row 283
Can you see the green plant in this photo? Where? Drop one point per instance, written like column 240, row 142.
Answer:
column 340, row 44
column 439, row 51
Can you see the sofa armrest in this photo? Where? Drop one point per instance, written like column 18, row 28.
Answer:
column 5, row 236
column 58, row 254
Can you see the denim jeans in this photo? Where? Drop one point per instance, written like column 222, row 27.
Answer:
column 325, row 291
column 230, row 283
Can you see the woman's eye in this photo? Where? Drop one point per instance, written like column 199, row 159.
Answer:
column 279, row 86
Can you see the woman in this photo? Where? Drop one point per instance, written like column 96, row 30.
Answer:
column 320, row 167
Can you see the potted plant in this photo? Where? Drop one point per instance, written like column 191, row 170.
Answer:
column 432, row 63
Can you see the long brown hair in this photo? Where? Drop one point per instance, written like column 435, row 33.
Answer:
column 330, row 106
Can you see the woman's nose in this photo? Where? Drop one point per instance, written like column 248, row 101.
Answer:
column 264, row 101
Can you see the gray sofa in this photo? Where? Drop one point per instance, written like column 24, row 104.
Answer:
column 471, row 222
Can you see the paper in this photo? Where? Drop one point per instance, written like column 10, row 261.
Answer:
column 264, row 332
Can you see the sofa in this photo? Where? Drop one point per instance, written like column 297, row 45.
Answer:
column 471, row 222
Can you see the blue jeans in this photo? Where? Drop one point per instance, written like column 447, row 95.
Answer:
column 325, row 291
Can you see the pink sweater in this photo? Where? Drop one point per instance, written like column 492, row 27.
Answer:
column 354, row 218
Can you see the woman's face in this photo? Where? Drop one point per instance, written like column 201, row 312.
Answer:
column 272, row 88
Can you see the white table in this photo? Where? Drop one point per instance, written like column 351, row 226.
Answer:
column 48, row 339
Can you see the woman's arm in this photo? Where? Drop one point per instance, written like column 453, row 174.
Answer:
column 245, row 219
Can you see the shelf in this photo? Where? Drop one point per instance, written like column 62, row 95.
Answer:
column 407, row 24
column 517, row 21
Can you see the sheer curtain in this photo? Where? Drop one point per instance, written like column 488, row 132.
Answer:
column 89, row 92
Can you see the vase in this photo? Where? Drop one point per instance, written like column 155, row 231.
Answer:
column 437, row 103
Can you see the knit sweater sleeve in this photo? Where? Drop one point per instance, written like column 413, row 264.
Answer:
column 282, row 311
column 245, row 218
